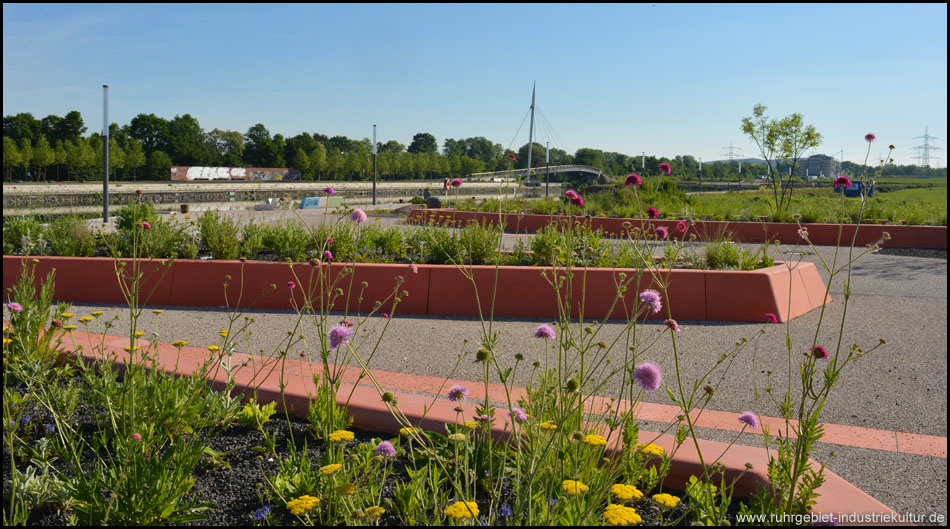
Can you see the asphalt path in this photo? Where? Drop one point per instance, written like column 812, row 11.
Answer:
column 900, row 386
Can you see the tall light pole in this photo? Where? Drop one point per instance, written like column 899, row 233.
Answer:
column 374, row 165
column 105, row 154
column 547, row 167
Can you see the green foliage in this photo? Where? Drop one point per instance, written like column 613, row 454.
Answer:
column 727, row 255
column 133, row 213
column 255, row 415
column 24, row 236
column 69, row 236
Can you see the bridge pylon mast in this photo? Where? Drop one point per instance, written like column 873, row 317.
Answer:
column 531, row 130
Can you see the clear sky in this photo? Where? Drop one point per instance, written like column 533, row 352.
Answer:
column 665, row 79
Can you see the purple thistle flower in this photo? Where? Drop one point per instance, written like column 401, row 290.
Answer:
column 328, row 255
column 358, row 216
column 869, row 137
column 545, row 331
column 749, row 419
column 843, row 181
column 340, row 335
column 653, row 299
column 458, row 393
column 665, row 167
column 385, row 449
column 648, row 376
column 456, row 182
column 14, row 306
column 819, row 352
column 329, row 190
column 518, row 414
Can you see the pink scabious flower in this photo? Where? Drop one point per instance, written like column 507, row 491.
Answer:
column 458, row 394
column 803, row 233
column 329, row 190
column 456, row 182
column 358, row 216
column 750, row 419
column 819, row 352
column 484, row 418
column 146, row 225
column 385, row 449
column 681, row 226
column 340, row 335
column 648, row 376
column 771, row 318
column 671, row 323
column 512, row 156
column 665, row 167
column 14, row 306
column 385, row 316
column 843, row 181
column 518, row 414
column 329, row 240
column 545, row 331
column 328, row 255
column 633, row 179
column 136, row 437
column 291, row 285
column 413, row 268
column 652, row 213
column 662, row 233
column 869, row 137
column 653, row 299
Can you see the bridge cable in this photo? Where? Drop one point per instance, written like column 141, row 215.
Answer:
column 519, row 128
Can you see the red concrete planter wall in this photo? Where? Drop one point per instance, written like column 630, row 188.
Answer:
column 934, row 237
column 443, row 289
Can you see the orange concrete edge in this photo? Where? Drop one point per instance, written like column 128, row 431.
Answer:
column 263, row 377
column 722, row 302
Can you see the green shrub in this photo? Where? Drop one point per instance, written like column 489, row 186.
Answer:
column 69, row 236
column 128, row 216
column 219, row 235
column 286, row 240
column 24, row 236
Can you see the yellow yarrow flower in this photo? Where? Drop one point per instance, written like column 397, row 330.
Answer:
column 85, row 319
column 302, row 504
column 98, row 313
column 138, row 334
column 7, row 340
column 651, row 449
column 179, row 343
column 214, row 348
column 66, row 315
column 223, row 333
column 128, row 349
column 471, row 425
column 547, row 425
column 375, row 511
column 330, row 469
column 594, row 440
column 345, row 489
column 462, row 509
column 620, row 515
column 573, row 487
column 409, row 431
column 666, row 501
column 341, row 436
column 69, row 327
column 625, row 492
column 157, row 311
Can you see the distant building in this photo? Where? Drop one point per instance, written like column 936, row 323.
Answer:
column 818, row 166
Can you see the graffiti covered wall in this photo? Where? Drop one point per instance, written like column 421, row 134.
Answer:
column 266, row 174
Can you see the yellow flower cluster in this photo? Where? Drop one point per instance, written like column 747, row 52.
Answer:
column 573, row 487
column 69, row 327
column 341, row 436
column 85, row 319
column 462, row 509
column 651, row 449
column 138, row 334
column 409, row 431
column 620, row 515
column 98, row 313
column 330, row 469
column 66, row 315
column 594, row 440
column 345, row 489
column 179, row 343
column 375, row 511
column 666, row 501
column 301, row 505
column 223, row 333
column 128, row 349
column 547, row 425
column 625, row 492
column 214, row 348
column 471, row 425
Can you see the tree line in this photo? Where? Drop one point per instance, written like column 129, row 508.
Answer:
column 57, row 148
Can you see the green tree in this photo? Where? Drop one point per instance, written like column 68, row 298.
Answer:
column 423, row 142
column 11, row 157
column 135, row 156
column 591, row 157
column 43, row 156
column 21, row 126
column 257, row 145
column 318, row 160
column 784, row 139
column 59, row 155
column 26, row 155
column 301, row 161
column 151, row 130
column 228, row 147
column 187, row 143
column 158, row 166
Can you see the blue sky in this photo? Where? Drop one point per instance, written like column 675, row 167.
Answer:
column 665, row 79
